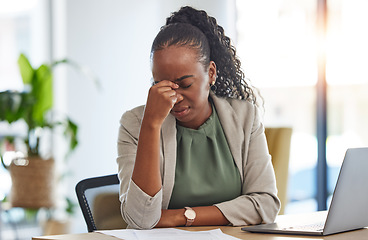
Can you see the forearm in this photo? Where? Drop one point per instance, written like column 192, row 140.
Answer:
column 205, row 216
column 209, row 215
column 160, row 101
column 146, row 173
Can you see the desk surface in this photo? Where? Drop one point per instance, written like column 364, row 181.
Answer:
column 233, row 231
column 361, row 234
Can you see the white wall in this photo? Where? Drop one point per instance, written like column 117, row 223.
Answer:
column 113, row 38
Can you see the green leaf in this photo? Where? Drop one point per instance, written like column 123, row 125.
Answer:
column 42, row 90
column 70, row 206
column 71, row 132
column 26, row 70
column 30, row 214
column 12, row 106
column 7, row 112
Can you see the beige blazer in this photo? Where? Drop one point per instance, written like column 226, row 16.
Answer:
column 245, row 135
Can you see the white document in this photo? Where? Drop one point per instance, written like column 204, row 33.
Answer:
column 168, row 234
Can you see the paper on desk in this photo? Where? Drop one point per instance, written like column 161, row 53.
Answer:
column 168, row 234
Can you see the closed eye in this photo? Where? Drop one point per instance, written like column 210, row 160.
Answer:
column 186, row 86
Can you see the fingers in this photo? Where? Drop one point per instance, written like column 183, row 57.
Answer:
column 161, row 99
column 170, row 91
column 163, row 94
column 167, row 90
column 166, row 83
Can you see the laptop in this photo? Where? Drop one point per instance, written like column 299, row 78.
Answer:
column 349, row 205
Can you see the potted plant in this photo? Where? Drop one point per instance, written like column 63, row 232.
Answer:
column 32, row 172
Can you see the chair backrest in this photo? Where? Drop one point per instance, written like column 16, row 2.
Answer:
column 98, row 199
column 278, row 140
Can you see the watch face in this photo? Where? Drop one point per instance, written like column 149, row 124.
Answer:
column 190, row 214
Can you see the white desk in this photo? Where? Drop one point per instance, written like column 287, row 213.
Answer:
column 233, row 231
column 361, row 234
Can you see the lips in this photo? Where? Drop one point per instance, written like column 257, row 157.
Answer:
column 180, row 112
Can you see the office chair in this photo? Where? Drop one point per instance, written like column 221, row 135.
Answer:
column 98, row 199
column 278, row 140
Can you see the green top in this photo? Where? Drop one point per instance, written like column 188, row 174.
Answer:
column 205, row 173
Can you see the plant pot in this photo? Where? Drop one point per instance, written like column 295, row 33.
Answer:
column 33, row 183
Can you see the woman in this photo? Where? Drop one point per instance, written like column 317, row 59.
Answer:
column 196, row 153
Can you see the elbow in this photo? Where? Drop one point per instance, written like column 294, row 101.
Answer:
column 136, row 218
column 139, row 210
column 272, row 210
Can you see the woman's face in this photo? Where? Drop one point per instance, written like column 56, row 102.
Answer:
column 181, row 66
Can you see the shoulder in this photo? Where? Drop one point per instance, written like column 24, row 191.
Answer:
column 242, row 109
column 241, row 105
column 132, row 117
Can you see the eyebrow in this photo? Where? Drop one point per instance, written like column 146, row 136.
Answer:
column 178, row 79
column 183, row 77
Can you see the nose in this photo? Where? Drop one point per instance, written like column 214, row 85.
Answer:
column 179, row 97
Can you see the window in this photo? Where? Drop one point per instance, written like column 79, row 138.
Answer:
column 22, row 30
column 277, row 44
column 277, row 47
column 347, row 78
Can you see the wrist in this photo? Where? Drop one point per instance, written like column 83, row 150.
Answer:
column 180, row 219
column 172, row 218
column 150, row 124
column 152, row 119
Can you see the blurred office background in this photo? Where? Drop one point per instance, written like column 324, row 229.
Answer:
column 278, row 43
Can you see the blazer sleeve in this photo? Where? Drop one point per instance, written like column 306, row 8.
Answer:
column 138, row 209
column 259, row 202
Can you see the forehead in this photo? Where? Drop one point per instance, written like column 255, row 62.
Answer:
column 178, row 53
column 174, row 60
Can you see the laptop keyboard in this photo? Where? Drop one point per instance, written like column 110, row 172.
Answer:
column 318, row 227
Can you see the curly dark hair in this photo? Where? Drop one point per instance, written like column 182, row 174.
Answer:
column 212, row 45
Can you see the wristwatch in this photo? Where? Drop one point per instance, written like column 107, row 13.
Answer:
column 190, row 215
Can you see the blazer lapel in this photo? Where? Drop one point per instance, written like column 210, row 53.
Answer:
column 232, row 129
